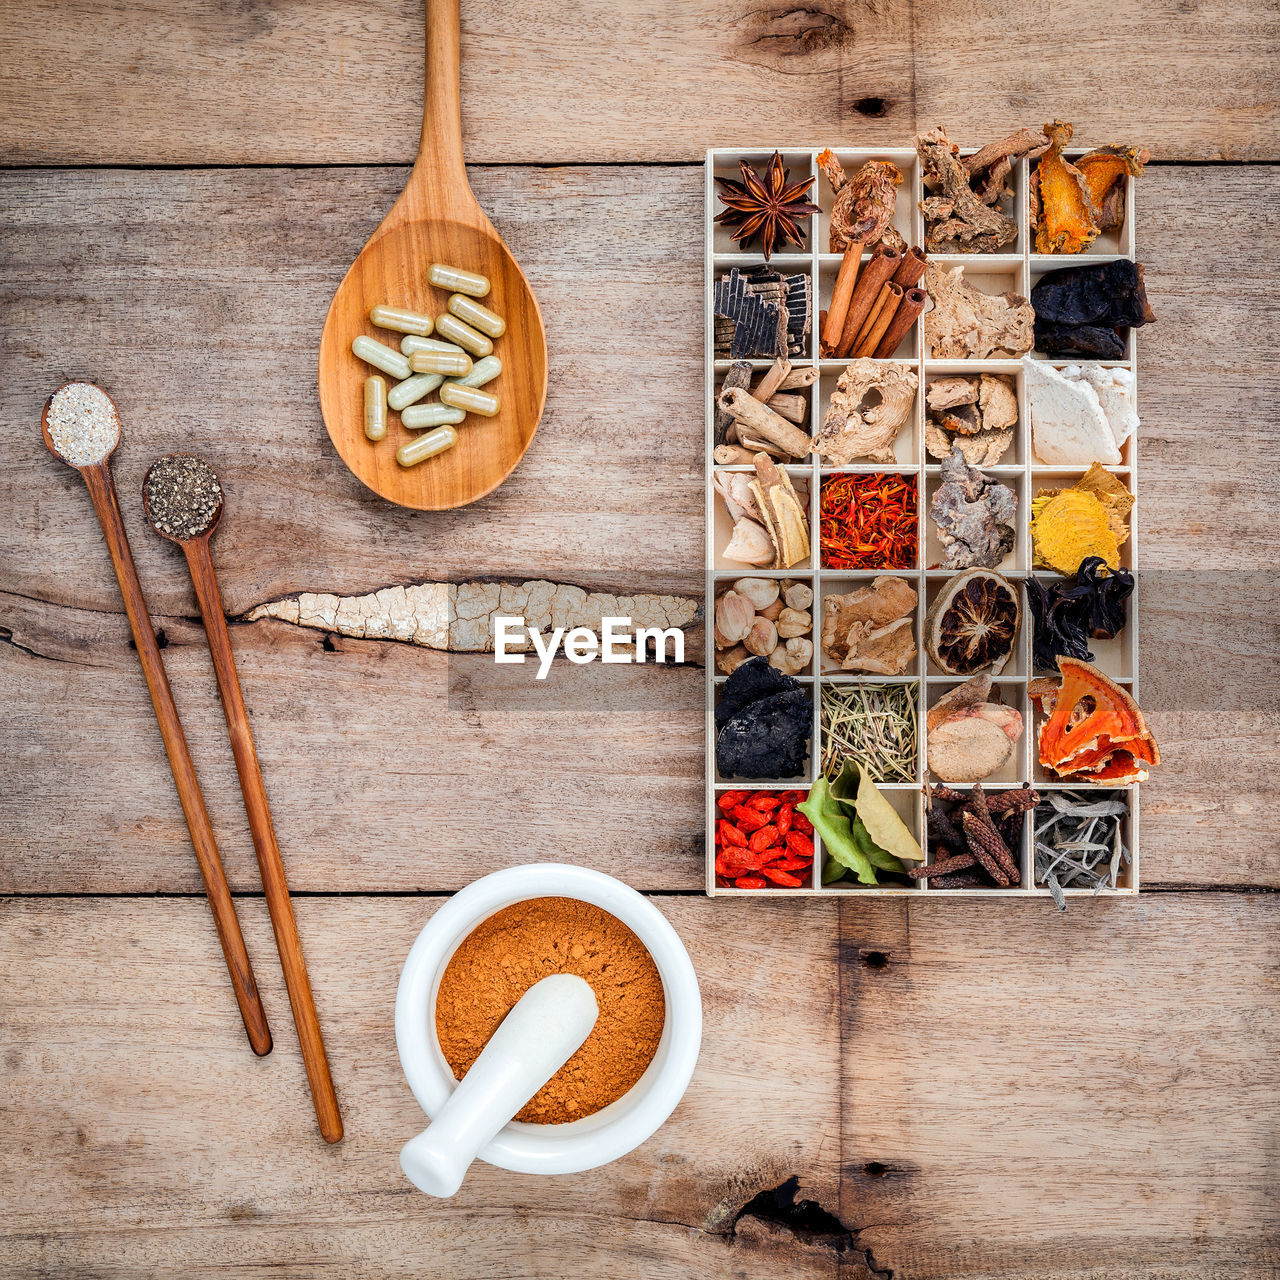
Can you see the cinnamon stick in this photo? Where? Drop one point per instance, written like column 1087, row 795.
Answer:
column 888, row 308
column 875, row 275
column 909, row 308
column 912, row 267
column 833, row 326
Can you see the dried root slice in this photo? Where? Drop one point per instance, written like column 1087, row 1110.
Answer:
column 783, row 514
column 1065, row 221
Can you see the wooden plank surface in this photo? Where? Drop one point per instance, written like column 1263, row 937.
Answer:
column 1127, row 1129
column 197, row 298
column 337, row 82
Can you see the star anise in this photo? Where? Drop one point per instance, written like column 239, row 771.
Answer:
column 768, row 207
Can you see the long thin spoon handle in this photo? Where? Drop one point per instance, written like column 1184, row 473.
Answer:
column 103, row 492
column 441, row 144
column 288, row 943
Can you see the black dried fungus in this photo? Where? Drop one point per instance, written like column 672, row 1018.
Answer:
column 765, row 720
column 1087, row 310
column 1067, row 614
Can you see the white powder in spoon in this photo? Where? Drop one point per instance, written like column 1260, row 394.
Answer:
column 83, row 423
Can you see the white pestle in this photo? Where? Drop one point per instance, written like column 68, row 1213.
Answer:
column 544, row 1029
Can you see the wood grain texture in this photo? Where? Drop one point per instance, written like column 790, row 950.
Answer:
column 135, row 1104
column 1004, row 1110
column 189, row 270
column 333, row 81
column 1076, row 1096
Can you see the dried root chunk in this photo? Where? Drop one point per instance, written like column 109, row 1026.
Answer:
column 957, row 218
column 871, row 403
column 784, row 516
column 965, row 322
column 974, row 515
column 872, row 628
column 864, row 204
column 1065, row 217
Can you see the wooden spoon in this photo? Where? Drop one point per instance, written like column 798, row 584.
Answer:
column 102, row 489
column 436, row 219
column 274, row 884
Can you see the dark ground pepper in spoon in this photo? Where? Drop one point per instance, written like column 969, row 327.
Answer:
column 183, row 496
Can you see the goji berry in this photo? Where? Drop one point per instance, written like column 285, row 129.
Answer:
column 748, row 819
column 791, row 797
column 800, row 823
column 790, row 864
column 729, row 834
column 749, row 882
column 731, row 798
column 764, row 802
column 782, row 819
column 763, row 839
column 781, row 877
column 801, row 844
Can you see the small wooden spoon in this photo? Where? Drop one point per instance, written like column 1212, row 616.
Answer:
column 102, row 489
column 274, row 884
column 436, row 219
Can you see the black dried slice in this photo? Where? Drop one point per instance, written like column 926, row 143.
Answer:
column 1105, row 294
column 753, row 680
column 1083, row 340
column 1066, row 614
column 973, row 623
column 768, row 739
column 759, row 321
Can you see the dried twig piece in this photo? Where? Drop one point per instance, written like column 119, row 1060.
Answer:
column 759, row 420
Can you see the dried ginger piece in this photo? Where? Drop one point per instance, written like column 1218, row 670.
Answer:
column 964, row 321
column 869, row 406
column 1065, row 222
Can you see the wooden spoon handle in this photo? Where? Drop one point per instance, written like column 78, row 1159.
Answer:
column 288, row 943
column 103, row 492
column 440, row 149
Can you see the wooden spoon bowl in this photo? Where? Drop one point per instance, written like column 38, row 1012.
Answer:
column 436, row 219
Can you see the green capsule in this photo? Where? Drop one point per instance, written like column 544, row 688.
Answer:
column 452, row 364
column 456, row 280
column 400, row 320
column 374, row 353
column 426, row 446
column 469, row 400
column 464, row 335
column 481, row 372
column 375, row 407
column 471, row 312
column 412, row 390
column 417, row 416
column 412, row 343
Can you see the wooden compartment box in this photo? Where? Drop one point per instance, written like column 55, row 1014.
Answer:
column 1018, row 270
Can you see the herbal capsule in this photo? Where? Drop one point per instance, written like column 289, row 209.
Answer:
column 412, row 390
column 375, row 407
column 481, row 372
column 478, row 317
column 413, row 343
column 426, row 446
column 469, row 399
column 455, row 364
column 381, row 357
column 400, row 320
column 417, row 416
column 456, row 280
column 464, row 335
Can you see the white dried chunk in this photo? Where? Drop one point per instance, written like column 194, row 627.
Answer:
column 1068, row 425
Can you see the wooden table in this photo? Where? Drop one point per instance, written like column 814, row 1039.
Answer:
column 886, row 1089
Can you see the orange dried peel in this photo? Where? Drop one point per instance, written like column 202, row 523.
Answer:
column 1104, row 167
column 1095, row 729
column 1067, row 222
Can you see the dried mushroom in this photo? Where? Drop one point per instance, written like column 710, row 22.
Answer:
column 870, row 405
column 973, row 623
column 1067, row 615
column 965, row 322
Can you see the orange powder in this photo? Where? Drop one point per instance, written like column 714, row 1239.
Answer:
column 522, row 944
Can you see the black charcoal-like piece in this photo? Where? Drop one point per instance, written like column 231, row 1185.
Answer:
column 1081, row 340
column 768, row 739
column 754, row 680
column 759, row 323
column 799, row 309
column 1107, row 295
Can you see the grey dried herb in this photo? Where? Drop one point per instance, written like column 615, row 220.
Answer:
column 1079, row 842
